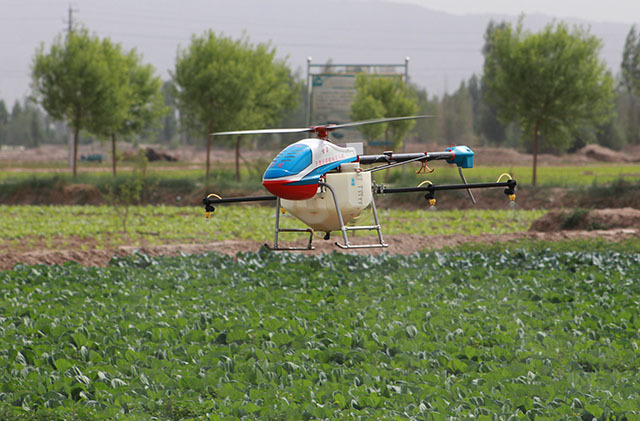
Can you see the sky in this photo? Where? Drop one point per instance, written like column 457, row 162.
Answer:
column 627, row 11
column 343, row 30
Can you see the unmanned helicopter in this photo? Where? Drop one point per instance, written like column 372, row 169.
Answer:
column 326, row 186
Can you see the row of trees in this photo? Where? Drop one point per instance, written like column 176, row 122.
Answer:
column 95, row 86
column 27, row 125
column 622, row 128
column 549, row 87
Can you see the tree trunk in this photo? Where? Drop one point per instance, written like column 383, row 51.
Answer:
column 208, row 165
column 238, row 138
column 113, row 153
column 76, row 135
column 535, row 152
column 632, row 131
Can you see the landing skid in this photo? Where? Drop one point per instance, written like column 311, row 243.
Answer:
column 278, row 230
column 343, row 228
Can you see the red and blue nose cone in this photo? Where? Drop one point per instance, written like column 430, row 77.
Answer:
column 283, row 176
column 291, row 191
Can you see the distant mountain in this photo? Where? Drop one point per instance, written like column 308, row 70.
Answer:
column 444, row 49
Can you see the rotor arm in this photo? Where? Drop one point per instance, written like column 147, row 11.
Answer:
column 212, row 199
column 510, row 187
column 393, row 158
column 430, row 189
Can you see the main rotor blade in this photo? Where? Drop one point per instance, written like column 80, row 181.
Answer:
column 264, row 131
column 379, row 120
column 320, row 128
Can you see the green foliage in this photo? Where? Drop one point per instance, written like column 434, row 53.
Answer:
column 630, row 65
column 575, row 218
column 121, row 195
column 630, row 81
column 552, row 82
column 384, row 97
column 619, row 193
column 455, row 117
column 94, row 85
column 486, row 122
column 73, row 81
column 223, row 84
column 526, row 332
column 145, row 104
column 26, row 125
column 107, row 116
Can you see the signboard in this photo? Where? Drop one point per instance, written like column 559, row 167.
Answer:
column 333, row 86
column 331, row 97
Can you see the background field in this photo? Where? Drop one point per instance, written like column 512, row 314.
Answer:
column 27, row 227
column 224, row 175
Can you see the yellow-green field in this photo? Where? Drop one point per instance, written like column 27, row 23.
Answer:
column 101, row 226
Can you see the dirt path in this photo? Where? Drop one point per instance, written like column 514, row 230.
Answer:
column 398, row 244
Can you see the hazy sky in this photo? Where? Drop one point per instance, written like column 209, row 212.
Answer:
column 594, row 10
column 443, row 51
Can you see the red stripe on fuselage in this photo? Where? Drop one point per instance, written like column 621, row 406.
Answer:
column 285, row 190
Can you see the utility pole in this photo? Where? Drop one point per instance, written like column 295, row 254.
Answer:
column 70, row 161
column 70, row 19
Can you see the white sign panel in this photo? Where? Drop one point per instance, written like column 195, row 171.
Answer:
column 331, row 97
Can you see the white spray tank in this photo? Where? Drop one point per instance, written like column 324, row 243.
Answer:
column 353, row 193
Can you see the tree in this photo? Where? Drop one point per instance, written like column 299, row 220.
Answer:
column 486, row 123
column 630, row 81
column 134, row 100
column 455, row 116
column 384, row 97
column 631, row 62
column 169, row 126
column 71, row 81
column 425, row 129
column 273, row 91
column 109, row 114
column 4, row 119
column 224, row 83
column 552, row 82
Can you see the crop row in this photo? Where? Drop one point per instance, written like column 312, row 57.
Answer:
column 100, row 226
column 493, row 335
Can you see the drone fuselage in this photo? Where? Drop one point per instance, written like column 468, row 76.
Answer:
column 295, row 172
column 348, row 189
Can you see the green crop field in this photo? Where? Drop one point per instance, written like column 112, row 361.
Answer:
column 28, row 226
column 531, row 332
column 224, row 177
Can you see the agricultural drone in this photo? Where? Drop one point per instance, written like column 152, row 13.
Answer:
column 326, row 186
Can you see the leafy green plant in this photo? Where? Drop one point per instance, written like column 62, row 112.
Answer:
column 575, row 219
column 128, row 191
column 532, row 331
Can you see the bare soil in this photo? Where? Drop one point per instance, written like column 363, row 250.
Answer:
column 582, row 219
column 398, row 244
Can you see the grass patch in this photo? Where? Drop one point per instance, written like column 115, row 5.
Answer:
column 47, row 225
